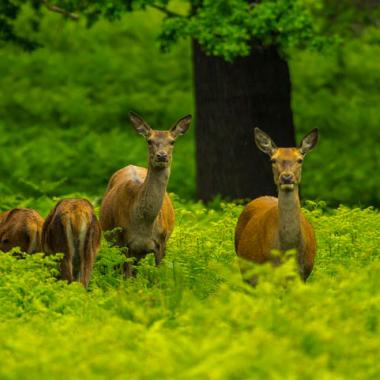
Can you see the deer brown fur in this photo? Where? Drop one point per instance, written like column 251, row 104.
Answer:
column 21, row 227
column 72, row 228
column 269, row 223
column 136, row 201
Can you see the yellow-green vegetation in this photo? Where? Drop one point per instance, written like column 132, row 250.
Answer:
column 64, row 128
column 193, row 317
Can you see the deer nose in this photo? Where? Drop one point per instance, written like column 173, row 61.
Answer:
column 287, row 178
column 162, row 156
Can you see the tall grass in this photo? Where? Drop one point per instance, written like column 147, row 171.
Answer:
column 193, row 317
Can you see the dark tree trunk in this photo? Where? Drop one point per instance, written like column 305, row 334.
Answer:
column 232, row 99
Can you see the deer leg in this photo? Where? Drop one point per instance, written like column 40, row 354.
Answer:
column 86, row 267
column 66, row 269
column 130, row 267
column 306, row 271
column 127, row 266
column 303, row 269
column 128, row 270
column 159, row 253
column 244, row 269
column 249, row 280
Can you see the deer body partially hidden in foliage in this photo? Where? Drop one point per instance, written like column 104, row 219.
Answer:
column 269, row 223
column 73, row 229
column 21, row 227
column 136, row 201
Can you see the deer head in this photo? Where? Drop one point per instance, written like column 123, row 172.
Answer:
column 286, row 162
column 160, row 143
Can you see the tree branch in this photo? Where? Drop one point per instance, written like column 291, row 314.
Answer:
column 56, row 9
column 165, row 10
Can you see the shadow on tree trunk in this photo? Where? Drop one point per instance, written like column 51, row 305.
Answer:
column 232, row 99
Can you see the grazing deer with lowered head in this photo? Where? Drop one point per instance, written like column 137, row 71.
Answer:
column 21, row 227
column 136, row 200
column 72, row 228
column 269, row 223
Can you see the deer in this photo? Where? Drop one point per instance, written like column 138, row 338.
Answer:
column 268, row 223
column 73, row 229
column 21, row 227
column 136, row 202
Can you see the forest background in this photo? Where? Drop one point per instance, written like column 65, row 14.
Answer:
column 64, row 108
column 64, row 130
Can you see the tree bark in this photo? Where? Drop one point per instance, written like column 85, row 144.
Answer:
column 231, row 99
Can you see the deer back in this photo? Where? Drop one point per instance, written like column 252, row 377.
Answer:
column 122, row 195
column 257, row 233
column 72, row 228
column 21, row 227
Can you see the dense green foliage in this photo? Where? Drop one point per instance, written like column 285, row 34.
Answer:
column 193, row 317
column 63, row 109
column 64, row 130
column 224, row 27
column 339, row 95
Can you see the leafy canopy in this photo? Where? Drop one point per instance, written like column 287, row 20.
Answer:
column 225, row 28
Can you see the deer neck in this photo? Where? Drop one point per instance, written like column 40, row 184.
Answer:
column 152, row 194
column 289, row 211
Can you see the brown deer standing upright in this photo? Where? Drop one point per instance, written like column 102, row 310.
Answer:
column 21, row 227
column 136, row 201
column 269, row 223
column 72, row 228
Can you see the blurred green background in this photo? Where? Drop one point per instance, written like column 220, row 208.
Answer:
column 64, row 131
column 63, row 109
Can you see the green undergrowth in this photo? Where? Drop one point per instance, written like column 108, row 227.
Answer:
column 193, row 317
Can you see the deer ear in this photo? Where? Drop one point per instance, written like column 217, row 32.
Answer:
column 264, row 142
column 181, row 126
column 139, row 124
column 309, row 142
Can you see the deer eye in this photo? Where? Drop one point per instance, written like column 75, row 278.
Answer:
column 171, row 142
column 300, row 160
column 150, row 142
column 273, row 161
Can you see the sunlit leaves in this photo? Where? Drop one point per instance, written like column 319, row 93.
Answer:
column 193, row 317
column 226, row 28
